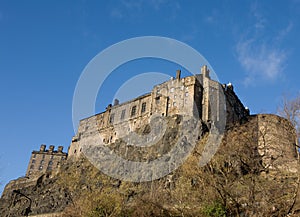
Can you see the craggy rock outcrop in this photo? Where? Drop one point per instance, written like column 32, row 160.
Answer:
column 34, row 196
column 254, row 173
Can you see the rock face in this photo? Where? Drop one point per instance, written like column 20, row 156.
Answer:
column 23, row 197
column 254, row 169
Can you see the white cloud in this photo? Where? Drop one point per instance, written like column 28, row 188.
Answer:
column 261, row 61
column 260, row 53
column 284, row 32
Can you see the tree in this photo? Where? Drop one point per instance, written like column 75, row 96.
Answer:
column 290, row 109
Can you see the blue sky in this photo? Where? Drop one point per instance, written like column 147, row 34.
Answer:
column 45, row 45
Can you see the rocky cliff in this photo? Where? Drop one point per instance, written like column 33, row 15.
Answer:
column 254, row 173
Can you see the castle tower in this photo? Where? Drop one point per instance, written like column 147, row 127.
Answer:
column 45, row 160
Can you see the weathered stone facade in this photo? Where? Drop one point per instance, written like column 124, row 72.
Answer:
column 198, row 96
column 277, row 143
column 43, row 161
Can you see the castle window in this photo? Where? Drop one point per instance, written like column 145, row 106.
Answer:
column 175, row 96
column 41, row 167
column 133, row 111
column 143, row 107
column 51, row 157
column 50, row 163
column 172, row 90
column 186, row 93
column 42, row 161
column 43, row 156
column 157, row 100
column 123, row 114
column 33, row 161
column 34, row 156
column 111, row 118
column 174, row 103
column 32, row 167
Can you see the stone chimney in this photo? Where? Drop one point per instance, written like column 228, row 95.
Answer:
column 178, row 74
column 116, row 102
column 51, row 148
column 42, row 148
column 60, row 149
column 205, row 71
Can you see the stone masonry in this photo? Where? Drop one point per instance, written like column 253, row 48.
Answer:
column 43, row 161
column 198, row 96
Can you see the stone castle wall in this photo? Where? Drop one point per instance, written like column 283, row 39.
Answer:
column 197, row 96
column 277, row 143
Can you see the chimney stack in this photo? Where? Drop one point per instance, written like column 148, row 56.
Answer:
column 60, row 149
column 51, row 148
column 205, row 71
column 42, row 148
column 116, row 102
column 178, row 74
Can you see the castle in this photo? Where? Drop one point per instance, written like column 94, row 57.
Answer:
column 196, row 95
column 199, row 96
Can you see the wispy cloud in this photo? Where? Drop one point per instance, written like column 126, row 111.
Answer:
column 259, row 53
column 130, row 8
column 212, row 18
column 260, row 60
